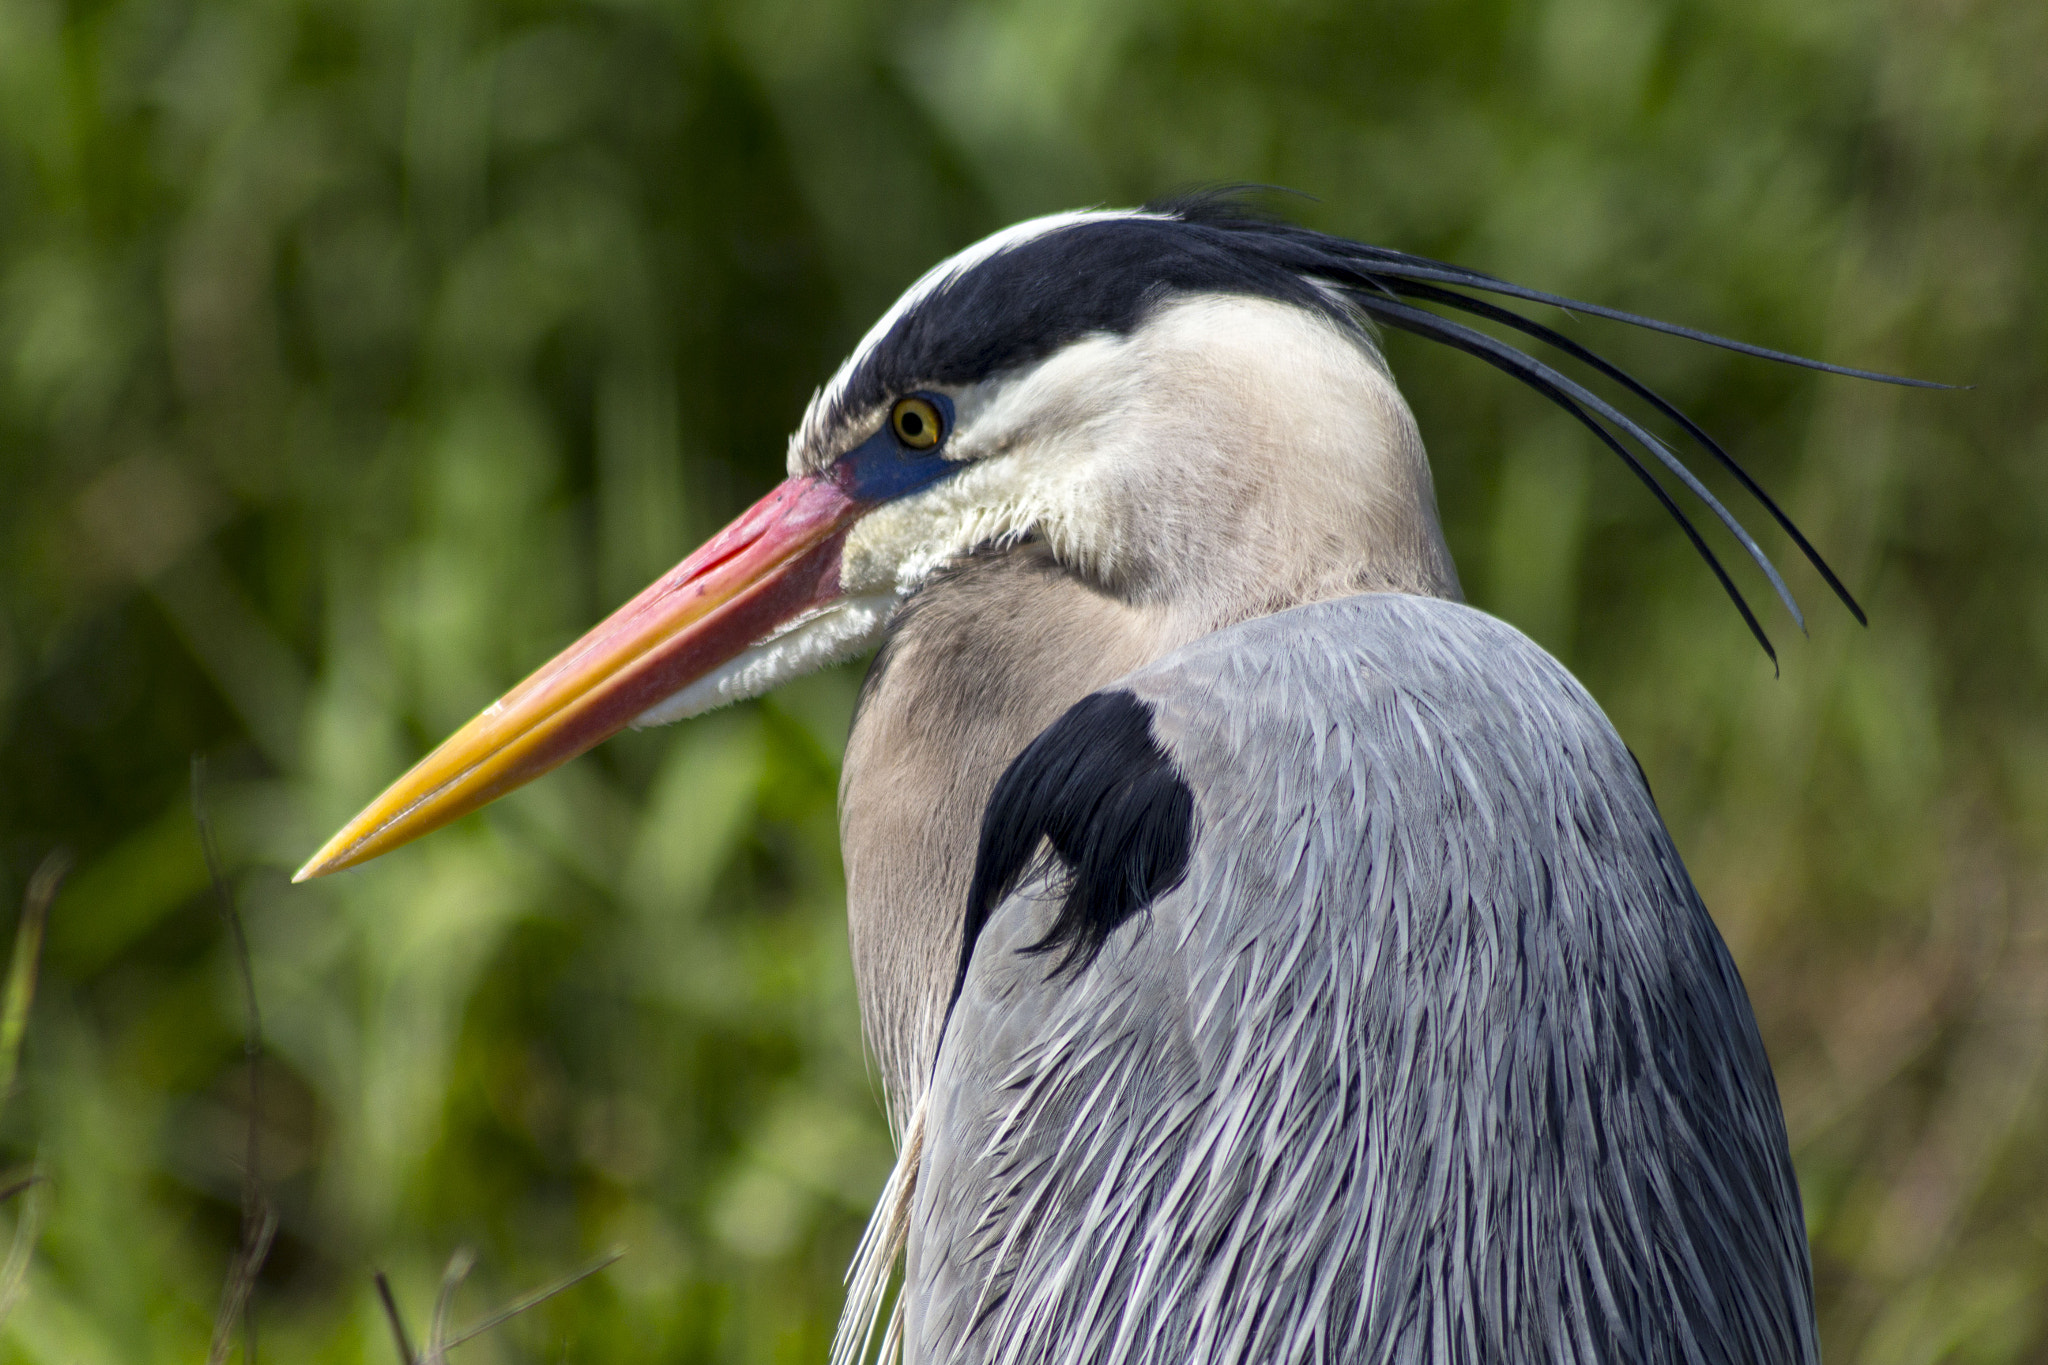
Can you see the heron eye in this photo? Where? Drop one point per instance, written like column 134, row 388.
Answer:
column 916, row 423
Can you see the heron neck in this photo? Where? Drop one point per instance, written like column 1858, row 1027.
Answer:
column 989, row 652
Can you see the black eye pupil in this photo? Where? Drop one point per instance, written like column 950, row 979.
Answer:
column 912, row 424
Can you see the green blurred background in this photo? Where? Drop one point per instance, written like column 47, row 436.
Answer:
column 356, row 356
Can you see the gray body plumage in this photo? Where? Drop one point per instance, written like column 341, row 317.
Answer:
column 1434, row 1054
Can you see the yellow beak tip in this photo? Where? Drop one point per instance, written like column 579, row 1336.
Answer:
column 328, row 859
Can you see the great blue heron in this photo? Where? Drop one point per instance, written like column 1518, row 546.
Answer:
column 1267, row 957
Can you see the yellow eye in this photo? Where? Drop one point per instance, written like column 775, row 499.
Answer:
column 916, row 423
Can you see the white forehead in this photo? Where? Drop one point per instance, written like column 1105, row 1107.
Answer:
column 931, row 282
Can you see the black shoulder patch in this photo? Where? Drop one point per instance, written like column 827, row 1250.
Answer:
column 1119, row 817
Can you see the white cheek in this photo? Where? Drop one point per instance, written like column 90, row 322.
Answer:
column 828, row 636
column 1048, row 493
column 1033, row 449
column 894, row 547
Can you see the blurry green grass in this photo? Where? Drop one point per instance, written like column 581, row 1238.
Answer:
column 353, row 357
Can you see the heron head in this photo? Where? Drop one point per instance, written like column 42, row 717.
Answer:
column 1185, row 405
column 1185, row 426
column 1189, row 443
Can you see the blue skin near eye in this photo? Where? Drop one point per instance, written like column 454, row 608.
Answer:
column 882, row 467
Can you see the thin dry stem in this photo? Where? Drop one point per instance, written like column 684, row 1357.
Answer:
column 27, row 1228
column 14, row 1008
column 259, row 1220
column 22, row 968
column 392, row 1316
column 535, row 1298
column 459, row 1266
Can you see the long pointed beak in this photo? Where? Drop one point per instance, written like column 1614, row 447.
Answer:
column 777, row 561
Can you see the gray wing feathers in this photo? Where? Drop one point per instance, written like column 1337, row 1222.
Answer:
column 1434, row 1055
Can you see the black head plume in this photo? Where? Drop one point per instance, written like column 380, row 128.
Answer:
column 1392, row 288
column 1045, row 284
